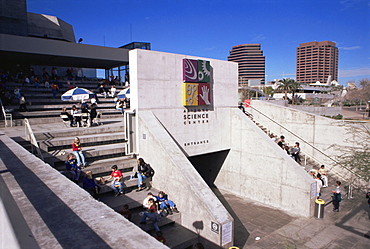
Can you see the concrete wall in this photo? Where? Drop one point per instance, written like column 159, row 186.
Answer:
column 173, row 133
column 156, row 80
column 258, row 169
column 319, row 110
column 319, row 131
column 176, row 176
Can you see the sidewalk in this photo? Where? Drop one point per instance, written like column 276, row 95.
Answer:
column 258, row 226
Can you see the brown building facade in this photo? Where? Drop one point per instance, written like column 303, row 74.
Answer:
column 317, row 61
column 251, row 62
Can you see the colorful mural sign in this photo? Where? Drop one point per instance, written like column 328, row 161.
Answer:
column 196, row 87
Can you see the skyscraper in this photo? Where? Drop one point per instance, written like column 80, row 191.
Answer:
column 317, row 61
column 251, row 62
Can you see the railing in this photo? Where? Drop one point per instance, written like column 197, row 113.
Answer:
column 31, row 137
column 310, row 145
column 6, row 115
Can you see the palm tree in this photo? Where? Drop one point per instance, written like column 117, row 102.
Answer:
column 294, row 87
column 286, row 86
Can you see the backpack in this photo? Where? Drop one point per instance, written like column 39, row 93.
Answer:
column 150, row 172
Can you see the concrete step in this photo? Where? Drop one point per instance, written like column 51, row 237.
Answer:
column 105, row 119
column 102, row 167
column 179, row 237
column 81, row 132
column 128, row 184
column 132, row 198
column 91, row 153
column 64, row 143
column 58, row 106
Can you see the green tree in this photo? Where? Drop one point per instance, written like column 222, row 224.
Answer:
column 294, row 87
column 269, row 91
column 285, row 86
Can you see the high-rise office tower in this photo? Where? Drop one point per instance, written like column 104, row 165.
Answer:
column 317, row 61
column 251, row 63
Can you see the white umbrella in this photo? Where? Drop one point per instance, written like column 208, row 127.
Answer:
column 125, row 93
column 76, row 94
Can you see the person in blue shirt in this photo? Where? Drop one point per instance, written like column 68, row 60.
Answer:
column 90, row 185
column 165, row 203
column 72, row 168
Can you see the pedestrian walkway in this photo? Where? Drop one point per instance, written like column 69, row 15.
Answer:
column 258, row 226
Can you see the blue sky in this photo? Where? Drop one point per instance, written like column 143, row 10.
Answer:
column 209, row 28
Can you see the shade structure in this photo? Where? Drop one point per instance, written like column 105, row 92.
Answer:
column 76, row 94
column 125, row 93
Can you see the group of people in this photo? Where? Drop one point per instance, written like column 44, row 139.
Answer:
column 294, row 152
column 155, row 206
column 83, row 117
column 321, row 179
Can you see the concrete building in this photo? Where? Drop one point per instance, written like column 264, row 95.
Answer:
column 317, row 61
column 15, row 20
column 251, row 63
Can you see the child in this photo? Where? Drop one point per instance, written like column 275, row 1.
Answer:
column 72, row 167
column 126, row 212
column 164, row 203
column 90, row 185
column 77, row 150
column 152, row 214
column 159, row 236
column 116, row 175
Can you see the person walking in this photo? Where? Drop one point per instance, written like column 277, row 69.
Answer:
column 337, row 196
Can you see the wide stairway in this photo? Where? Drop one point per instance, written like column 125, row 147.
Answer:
column 103, row 146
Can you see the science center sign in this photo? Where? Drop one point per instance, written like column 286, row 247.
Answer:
column 196, row 87
column 196, row 93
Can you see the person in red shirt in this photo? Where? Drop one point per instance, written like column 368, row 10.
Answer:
column 77, row 150
column 152, row 214
column 116, row 175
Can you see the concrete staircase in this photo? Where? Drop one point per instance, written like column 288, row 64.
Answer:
column 103, row 146
column 42, row 107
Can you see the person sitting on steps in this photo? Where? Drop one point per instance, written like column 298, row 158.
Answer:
column 147, row 198
column 116, row 175
column 152, row 214
column 77, row 150
column 72, row 168
column 166, row 204
column 144, row 171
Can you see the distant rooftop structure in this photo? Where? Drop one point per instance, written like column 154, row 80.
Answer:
column 15, row 20
column 133, row 45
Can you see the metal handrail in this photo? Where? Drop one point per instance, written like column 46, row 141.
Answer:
column 4, row 113
column 31, row 137
column 307, row 143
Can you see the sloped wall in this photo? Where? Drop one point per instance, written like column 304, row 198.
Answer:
column 177, row 177
column 319, row 131
column 258, row 169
